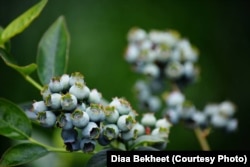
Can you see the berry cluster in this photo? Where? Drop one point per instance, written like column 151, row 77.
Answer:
column 85, row 117
column 216, row 115
column 162, row 55
column 166, row 59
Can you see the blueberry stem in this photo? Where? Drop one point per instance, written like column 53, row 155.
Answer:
column 33, row 82
column 202, row 139
column 198, row 133
column 49, row 148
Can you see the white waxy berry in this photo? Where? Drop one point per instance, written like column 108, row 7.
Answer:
column 136, row 35
column 54, row 101
column 129, row 135
column 45, row 92
column 227, row 108
column 64, row 81
column 54, row 85
column 151, row 70
column 79, row 118
column 162, row 132
column 122, row 105
column 39, row 106
column 79, row 90
column 174, row 70
column 189, row 70
column 188, row 53
column 153, row 103
column 173, row 115
column 46, row 118
column 111, row 114
column 68, row 102
column 218, row 121
column 95, row 96
column 110, row 131
column 148, row 119
column 132, row 53
column 199, row 118
column 125, row 123
column 64, row 121
column 163, row 123
column 175, row 99
column 76, row 77
column 232, row 125
column 139, row 128
column 95, row 113
column 211, row 109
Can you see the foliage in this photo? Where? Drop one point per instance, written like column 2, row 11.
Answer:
column 52, row 59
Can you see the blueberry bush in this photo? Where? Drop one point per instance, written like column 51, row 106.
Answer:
column 90, row 124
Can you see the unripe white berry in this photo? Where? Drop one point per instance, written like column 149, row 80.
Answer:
column 125, row 123
column 64, row 81
column 218, row 121
column 122, row 105
column 54, row 85
column 163, row 123
column 148, row 119
column 136, row 35
column 54, row 101
column 68, row 102
column 151, row 70
column 175, row 99
column 76, row 77
column 132, row 53
column 39, row 106
column 232, row 125
column 174, row 70
column 161, row 132
column 95, row 96
column 79, row 90
column 199, row 118
column 211, row 109
column 227, row 108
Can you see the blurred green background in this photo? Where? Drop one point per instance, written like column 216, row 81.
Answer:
column 98, row 29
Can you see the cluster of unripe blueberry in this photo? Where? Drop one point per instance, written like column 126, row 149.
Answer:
column 166, row 59
column 86, row 118
column 161, row 55
column 213, row 115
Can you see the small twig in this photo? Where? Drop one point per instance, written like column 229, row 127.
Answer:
column 33, row 82
column 202, row 139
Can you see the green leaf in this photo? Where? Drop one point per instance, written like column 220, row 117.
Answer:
column 1, row 42
column 13, row 121
column 99, row 159
column 24, row 70
column 146, row 139
column 22, row 22
column 22, row 153
column 146, row 149
column 52, row 56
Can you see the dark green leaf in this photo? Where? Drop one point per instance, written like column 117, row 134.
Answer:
column 24, row 70
column 147, row 139
column 146, row 149
column 1, row 42
column 52, row 56
column 99, row 159
column 22, row 22
column 22, row 153
column 13, row 122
